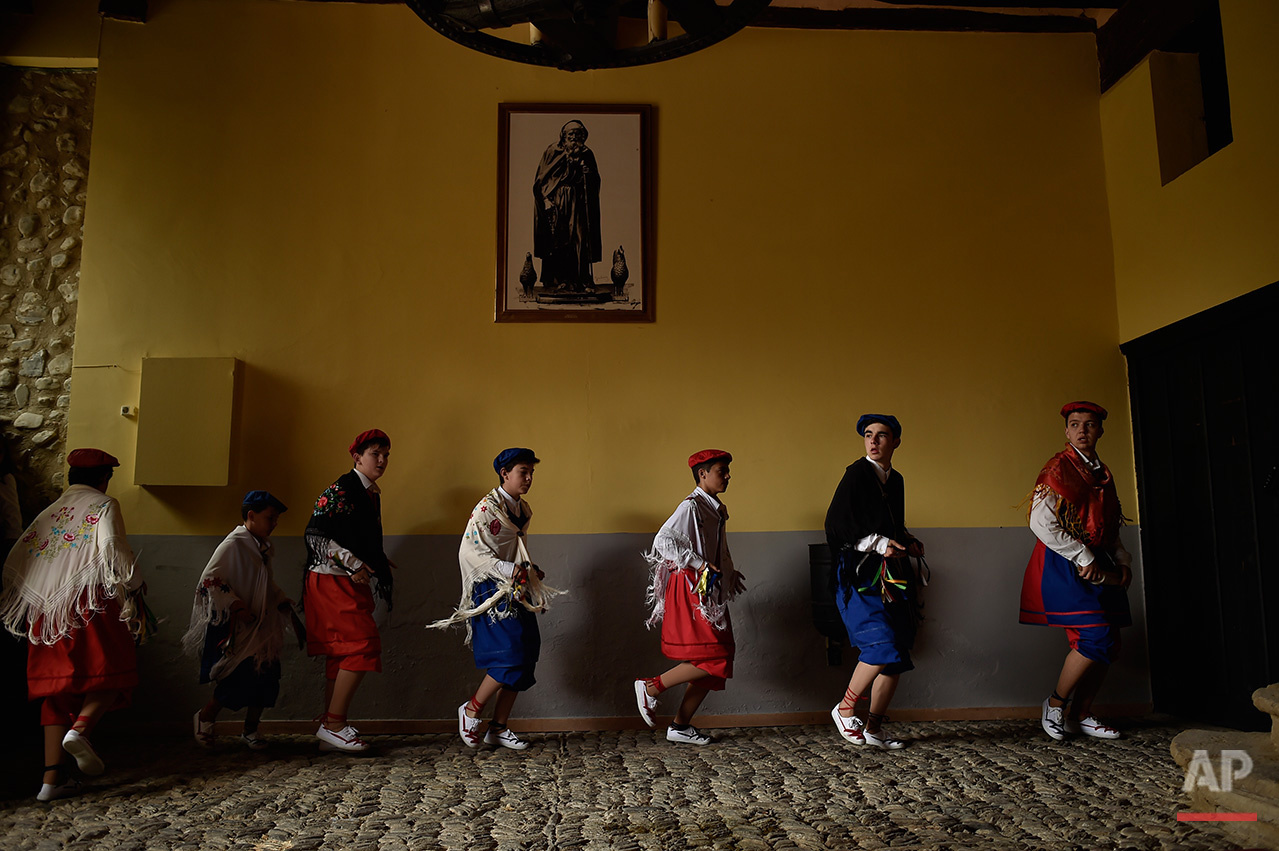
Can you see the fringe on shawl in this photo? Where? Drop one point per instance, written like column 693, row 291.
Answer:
column 204, row 614
column 661, row 571
column 103, row 580
column 533, row 595
column 1068, row 514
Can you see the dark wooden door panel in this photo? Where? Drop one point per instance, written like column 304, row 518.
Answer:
column 1205, row 400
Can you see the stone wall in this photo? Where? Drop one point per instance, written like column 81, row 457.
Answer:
column 44, row 161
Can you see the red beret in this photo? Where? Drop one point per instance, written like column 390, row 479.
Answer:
column 1091, row 407
column 708, row 455
column 371, row 434
column 91, row 458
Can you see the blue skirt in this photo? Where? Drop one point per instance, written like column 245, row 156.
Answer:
column 507, row 648
column 883, row 633
column 1052, row 594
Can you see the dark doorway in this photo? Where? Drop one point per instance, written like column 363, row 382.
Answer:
column 1205, row 403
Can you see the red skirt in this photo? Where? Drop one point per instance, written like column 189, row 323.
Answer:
column 99, row 656
column 689, row 637
column 339, row 617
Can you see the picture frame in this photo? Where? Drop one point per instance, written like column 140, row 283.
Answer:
column 574, row 206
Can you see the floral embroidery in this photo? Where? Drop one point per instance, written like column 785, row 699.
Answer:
column 63, row 532
column 214, row 583
column 495, row 526
column 333, row 501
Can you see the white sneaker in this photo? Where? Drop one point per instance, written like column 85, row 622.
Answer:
column 882, row 740
column 1090, row 726
column 506, row 738
column 50, row 792
column 346, row 740
column 203, row 732
column 850, row 728
column 255, row 741
column 468, row 728
column 646, row 702
column 1052, row 718
column 77, row 744
column 691, row 736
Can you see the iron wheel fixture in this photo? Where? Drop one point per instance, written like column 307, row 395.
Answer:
column 577, row 35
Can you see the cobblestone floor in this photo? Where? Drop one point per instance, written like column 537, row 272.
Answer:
column 986, row 785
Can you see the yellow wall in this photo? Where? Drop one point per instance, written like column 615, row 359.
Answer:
column 1209, row 235
column 56, row 34
column 845, row 221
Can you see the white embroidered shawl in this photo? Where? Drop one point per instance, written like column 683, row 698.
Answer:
column 76, row 547
column 687, row 541
column 239, row 572
column 491, row 537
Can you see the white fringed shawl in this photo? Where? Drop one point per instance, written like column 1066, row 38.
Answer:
column 239, row 572
column 76, row 548
column 688, row 541
column 492, row 537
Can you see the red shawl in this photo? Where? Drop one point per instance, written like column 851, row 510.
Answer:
column 1087, row 504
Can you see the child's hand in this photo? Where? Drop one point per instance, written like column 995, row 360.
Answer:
column 1091, row 572
column 915, row 548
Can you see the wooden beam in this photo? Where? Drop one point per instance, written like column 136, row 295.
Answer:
column 927, row 20
column 696, row 17
column 134, row 11
column 1139, row 27
column 1013, row 4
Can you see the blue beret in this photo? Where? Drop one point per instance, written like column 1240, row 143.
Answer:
column 508, row 458
column 261, row 500
column 887, row 419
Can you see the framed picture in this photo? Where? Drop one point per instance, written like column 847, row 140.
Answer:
column 574, row 243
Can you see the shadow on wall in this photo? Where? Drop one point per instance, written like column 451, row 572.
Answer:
column 971, row 650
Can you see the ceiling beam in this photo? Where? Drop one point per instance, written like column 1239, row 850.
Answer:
column 1013, row 4
column 1139, row 27
column 928, row 20
column 134, row 11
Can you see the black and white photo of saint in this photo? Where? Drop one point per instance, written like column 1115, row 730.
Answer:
column 566, row 212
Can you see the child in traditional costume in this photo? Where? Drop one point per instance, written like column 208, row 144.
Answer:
column 875, row 586
column 346, row 568
column 1079, row 571
column 692, row 581
column 72, row 590
column 238, row 622
column 502, row 593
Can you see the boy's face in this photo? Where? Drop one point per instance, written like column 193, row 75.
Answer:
column 372, row 461
column 880, row 443
column 517, row 480
column 262, row 523
column 714, row 479
column 1083, row 428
